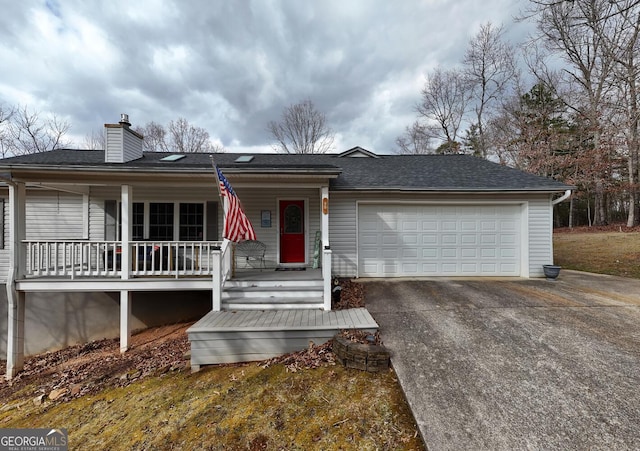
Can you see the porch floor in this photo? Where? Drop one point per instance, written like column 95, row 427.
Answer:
column 272, row 274
column 242, row 336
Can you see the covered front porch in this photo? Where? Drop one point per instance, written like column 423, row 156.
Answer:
column 133, row 261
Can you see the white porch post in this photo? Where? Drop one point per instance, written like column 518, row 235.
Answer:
column 326, row 250
column 125, row 266
column 125, row 320
column 17, row 262
column 125, row 237
column 216, row 275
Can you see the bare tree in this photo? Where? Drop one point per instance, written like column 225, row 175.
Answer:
column 5, row 140
column 302, row 129
column 94, row 140
column 417, row 139
column 569, row 29
column 489, row 67
column 28, row 133
column 621, row 37
column 178, row 136
column 155, row 137
column 185, row 137
column 445, row 97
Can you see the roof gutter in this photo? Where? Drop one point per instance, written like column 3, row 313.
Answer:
column 566, row 194
column 4, row 177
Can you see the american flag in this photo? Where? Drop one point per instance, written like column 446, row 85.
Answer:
column 237, row 226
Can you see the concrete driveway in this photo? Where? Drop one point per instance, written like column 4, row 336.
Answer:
column 515, row 363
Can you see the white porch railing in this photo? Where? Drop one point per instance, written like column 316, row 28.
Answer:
column 223, row 266
column 103, row 258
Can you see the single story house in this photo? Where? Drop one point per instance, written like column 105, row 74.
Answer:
column 86, row 233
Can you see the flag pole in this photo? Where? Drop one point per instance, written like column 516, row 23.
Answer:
column 215, row 174
column 224, row 214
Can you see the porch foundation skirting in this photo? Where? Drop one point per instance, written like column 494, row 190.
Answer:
column 243, row 336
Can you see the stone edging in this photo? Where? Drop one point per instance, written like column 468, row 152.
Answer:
column 366, row 357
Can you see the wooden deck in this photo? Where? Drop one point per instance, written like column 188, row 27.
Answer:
column 242, row 336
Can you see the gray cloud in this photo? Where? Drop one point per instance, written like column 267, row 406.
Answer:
column 231, row 67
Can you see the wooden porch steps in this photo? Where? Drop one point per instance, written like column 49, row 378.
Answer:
column 243, row 336
column 258, row 294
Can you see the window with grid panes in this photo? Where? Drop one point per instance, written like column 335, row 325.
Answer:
column 191, row 222
column 161, row 221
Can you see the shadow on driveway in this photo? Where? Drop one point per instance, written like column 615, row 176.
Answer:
column 516, row 363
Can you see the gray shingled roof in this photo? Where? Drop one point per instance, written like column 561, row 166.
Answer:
column 389, row 172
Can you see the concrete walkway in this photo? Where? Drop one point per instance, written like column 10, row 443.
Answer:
column 516, row 364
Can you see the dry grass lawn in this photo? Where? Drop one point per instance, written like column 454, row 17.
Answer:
column 606, row 252
column 147, row 399
column 232, row 407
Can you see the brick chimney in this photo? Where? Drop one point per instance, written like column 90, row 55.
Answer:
column 122, row 143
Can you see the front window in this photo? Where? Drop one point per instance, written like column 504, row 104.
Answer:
column 155, row 221
column 191, row 222
column 161, row 221
column 137, row 221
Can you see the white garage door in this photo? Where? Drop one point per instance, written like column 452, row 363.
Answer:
column 430, row 240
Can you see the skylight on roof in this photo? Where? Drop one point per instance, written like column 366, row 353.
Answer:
column 174, row 157
column 244, row 159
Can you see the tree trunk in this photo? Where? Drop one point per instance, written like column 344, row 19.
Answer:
column 571, row 212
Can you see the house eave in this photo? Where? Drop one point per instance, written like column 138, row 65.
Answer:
column 541, row 190
column 92, row 173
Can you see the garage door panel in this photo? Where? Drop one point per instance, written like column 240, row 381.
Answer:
column 429, row 253
column 449, row 226
column 396, row 240
column 448, row 239
column 390, row 253
column 409, row 253
column 410, row 239
column 410, row 269
column 469, row 240
column 488, row 240
column 469, row 268
column 486, row 252
column 429, row 226
column 468, row 226
column 390, row 239
column 449, row 252
column 489, row 268
column 469, row 253
column 429, row 239
column 450, row 268
column 409, row 226
column 369, row 239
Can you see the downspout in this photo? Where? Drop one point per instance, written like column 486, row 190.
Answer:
column 566, row 195
column 10, row 282
column 14, row 362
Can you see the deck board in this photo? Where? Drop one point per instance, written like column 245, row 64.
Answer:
column 301, row 319
column 248, row 335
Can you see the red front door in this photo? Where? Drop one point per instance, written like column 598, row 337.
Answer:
column 292, row 231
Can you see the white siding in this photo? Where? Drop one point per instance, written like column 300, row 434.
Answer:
column 4, row 252
column 114, row 143
column 132, row 146
column 53, row 216
column 122, row 145
column 96, row 219
column 254, row 200
column 540, row 235
column 342, row 235
column 343, row 225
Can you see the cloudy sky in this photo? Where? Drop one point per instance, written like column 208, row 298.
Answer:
column 232, row 66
